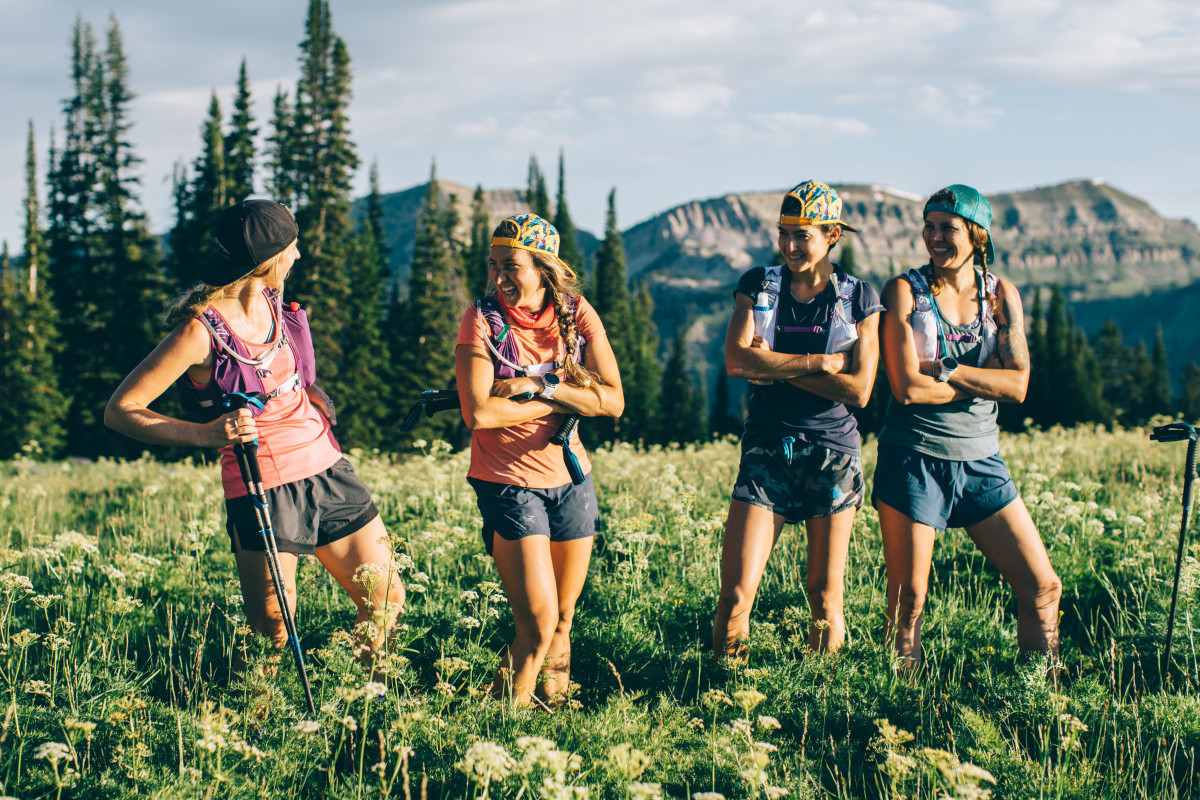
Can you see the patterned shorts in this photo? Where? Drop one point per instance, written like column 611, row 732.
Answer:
column 815, row 482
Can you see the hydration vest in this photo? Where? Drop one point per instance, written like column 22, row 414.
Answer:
column 504, row 347
column 841, row 334
column 232, row 375
column 927, row 324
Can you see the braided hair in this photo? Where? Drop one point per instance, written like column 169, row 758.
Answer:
column 560, row 280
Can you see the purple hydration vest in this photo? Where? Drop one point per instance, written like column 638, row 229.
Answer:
column 231, row 375
column 493, row 314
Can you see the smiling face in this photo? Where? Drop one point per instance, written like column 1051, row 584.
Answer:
column 948, row 240
column 804, row 246
column 515, row 275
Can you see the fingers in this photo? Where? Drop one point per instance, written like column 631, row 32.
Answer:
column 239, row 426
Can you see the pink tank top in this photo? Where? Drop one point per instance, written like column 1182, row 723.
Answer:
column 294, row 439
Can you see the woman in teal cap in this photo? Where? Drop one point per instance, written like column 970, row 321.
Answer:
column 953, row 346
column 528, row 356
column 806, row 335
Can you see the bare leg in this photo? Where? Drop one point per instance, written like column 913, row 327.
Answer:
column 828, row 545
column 258, row 591
column 1010, row 540
column 570, row 572
column 908, row 553
column 378, row 594
column 750, row 535
column 526, row 569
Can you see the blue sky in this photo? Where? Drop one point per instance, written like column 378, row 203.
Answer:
column 668, row 100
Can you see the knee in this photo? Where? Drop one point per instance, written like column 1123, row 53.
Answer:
column 734, row 600
column 566, row 617
column 537, row 629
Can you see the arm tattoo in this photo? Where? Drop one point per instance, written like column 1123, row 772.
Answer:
column 1010, row 339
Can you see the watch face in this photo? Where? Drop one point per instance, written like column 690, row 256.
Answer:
column 550, row 379
column 949, row 363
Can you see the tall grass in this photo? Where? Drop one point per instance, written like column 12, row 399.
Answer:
column 121, row 632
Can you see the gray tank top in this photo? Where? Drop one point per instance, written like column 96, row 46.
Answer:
column 964, row 430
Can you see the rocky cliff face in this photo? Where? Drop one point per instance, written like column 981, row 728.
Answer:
column 1091, row 237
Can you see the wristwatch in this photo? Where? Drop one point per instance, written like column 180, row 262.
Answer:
column 550, row 382
column 946, row 368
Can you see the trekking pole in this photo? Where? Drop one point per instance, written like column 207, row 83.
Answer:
column 1178, row 432
column 563, row 437
column 431, row 402
column 247, row 458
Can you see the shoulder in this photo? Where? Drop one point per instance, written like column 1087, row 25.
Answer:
column 1008, row 297
column 751, row 281
column 586, row 318
column 866, row 299
column 897, row 292
column 192, row 339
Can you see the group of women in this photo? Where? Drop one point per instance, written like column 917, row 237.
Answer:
column 534, row 353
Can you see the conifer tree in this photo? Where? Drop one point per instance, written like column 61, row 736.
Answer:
column 475, row 256
column 568, row 247
column 721, row 420
column 283, row 182
column 1158, row 390
column 1190, row 400
column 683, row 413
column 641, row 374
column 848, row 262
column 239, row 142
column 198, row 201
column 364, row 408
column 323, row 162
column 1116, row 379
column 536, row 194
column 35, row 408
column 610, row 297
column 431, row 314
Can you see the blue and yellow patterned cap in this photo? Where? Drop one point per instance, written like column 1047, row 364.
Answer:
column 812, row 203
column 527, row 232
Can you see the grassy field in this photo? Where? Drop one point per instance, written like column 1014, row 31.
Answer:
column 120, row 622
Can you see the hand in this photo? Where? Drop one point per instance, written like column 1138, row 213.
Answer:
column 236, row 426
column 833, row 363
column 760, row 343
column 321, row 400
column 513, row 388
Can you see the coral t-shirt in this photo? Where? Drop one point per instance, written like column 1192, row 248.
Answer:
column 294, row 439
column 522, row 455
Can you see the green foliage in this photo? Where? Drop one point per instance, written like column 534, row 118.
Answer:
column 126, row 678
column 478, row 249
column 536, row 194
column 239, row 142
column 365, row 413
column 568, row 249
column 684, row 415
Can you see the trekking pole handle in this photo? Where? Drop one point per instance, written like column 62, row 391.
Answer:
column 246, row 452
column 1174, row 432
column 563, row 437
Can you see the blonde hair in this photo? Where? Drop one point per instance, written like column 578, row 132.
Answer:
column 192, row 302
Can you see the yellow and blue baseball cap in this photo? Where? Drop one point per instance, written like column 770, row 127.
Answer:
column 812, row 203
column 527, row 232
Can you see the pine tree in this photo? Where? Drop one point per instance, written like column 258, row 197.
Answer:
column 848, row 262
column 568, row 247
column 1112, row 360
column 684, row 415
column 324, row 161
column 239, row 142
column 721, row 419
column 610, row 297
column 641, row 374
column 104, row 262
column 536, row 195
column 1190, row 401
column 364, row 408
column 198, row 201
column 283, row 182
column 35, row 407
column 1158, row 391
column 475, row 256
column 1056, row 358
column 430, row 317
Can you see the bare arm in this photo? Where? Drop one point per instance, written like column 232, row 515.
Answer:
column 909, row 384
column 744, row 360
column 1005, row 376
column 853, row 386
column 605, row 399
column 128, row 410
column 476, row 376
column 321, row 400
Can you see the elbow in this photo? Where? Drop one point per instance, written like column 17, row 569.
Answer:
column 112, row 415
column 472, row 418
column 858, row 399
column 615, row 405
column 905, row 396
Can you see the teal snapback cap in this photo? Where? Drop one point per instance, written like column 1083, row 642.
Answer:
column 968, row 204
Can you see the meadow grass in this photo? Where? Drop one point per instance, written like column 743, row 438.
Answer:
column 121, row 629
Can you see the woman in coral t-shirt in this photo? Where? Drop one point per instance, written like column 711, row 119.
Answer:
column 527, row 355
